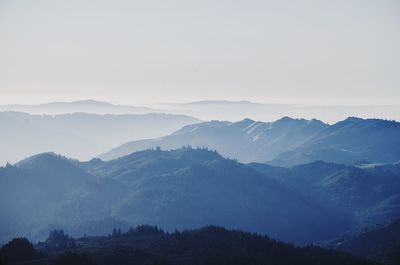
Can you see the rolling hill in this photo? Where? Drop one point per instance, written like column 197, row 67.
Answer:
column 184, row 188
column 188, row 188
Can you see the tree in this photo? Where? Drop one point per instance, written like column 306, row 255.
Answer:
column 17, row 250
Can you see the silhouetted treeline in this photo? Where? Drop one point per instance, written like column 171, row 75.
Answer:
column 138, row 230
column 57, row 241
column 211, row 245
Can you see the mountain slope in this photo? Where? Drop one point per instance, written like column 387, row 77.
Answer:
column 349, row 141
column 78, row 135
column 183, row 188
column 246, row 140
column 380, row 243
column 207, row 186
column 370, row 195
column 285, row 142
column 188, row 188
column 46, row 190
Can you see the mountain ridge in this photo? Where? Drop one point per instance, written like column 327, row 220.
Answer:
column 85, row 105
column 187, row 188
column 78, row 135
column 284, row 142
column 380, row 243
column 182, row 188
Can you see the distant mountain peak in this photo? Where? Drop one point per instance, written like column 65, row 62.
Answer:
column 40, row 158
column 366, row 122
column 248, row 120
column 353, row 118
column 217, row 102
column 287, row 119
column 245, row 122
column 92, row 101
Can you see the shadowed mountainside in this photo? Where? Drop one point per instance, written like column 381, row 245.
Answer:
column 380, row 243
column 184, row 188
column 188, row 188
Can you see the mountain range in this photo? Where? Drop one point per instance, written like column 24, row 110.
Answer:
column 86, row 106
column 189, row 188
column 285, row 142
column 216, row 109
column 239, row 110
column 78, row 135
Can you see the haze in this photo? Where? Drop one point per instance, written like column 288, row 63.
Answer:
column 199, row 132
column 130, row 52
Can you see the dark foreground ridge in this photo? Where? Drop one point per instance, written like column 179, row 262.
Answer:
column 380, row 243
column 150, row 245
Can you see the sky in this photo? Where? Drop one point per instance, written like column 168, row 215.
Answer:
column 135, row 52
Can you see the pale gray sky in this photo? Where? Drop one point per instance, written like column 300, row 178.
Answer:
column 152, row 51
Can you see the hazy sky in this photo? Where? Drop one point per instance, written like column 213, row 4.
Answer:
column 153, row 51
